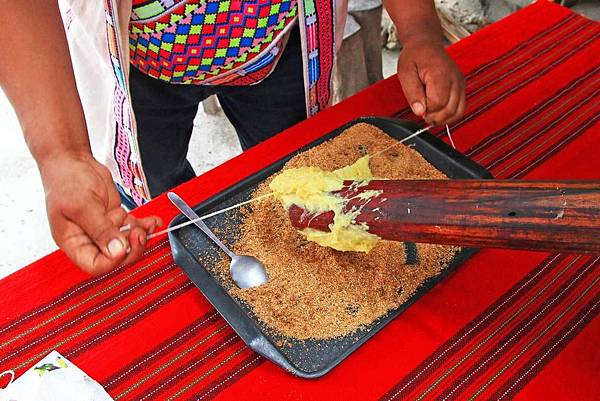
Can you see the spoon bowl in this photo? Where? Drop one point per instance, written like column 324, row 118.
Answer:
column 246, row 271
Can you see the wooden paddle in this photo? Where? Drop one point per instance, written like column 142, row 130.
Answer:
column 561, row 216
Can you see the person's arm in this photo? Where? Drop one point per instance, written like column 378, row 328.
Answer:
column 431, row 81
column 84, row 208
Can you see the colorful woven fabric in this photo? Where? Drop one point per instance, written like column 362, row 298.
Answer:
column 505, row 324
column 319, row 19
column 208, row 42
column 126, row 151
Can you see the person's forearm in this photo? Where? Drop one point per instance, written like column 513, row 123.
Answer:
column 415, row 20
column 37, row 76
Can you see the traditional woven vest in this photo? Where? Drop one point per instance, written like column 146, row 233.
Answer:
column 162, row 43
column 216, row 42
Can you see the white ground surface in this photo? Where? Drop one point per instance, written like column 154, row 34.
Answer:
column 24, row 232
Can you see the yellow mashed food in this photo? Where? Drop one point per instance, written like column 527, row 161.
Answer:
column 312, row 189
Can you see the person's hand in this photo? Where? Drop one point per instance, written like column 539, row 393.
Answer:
column 432, row 83
column 85, row 214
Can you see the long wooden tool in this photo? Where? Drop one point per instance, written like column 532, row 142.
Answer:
column 562, row 216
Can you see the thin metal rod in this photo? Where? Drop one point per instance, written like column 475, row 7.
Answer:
column 206, row 216
column 417, row 133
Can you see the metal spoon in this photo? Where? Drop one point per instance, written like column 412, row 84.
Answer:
column 246, row 271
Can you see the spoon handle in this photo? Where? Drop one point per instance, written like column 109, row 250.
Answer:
column 190, row 214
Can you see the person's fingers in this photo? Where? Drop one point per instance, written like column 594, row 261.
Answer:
column 118, row 216
column 79, row 247
column 138, row 234
column 462, row 99
column 462, row 105
column 83, row 251
column 438, row 89
column 458, row 113
column 113, row 197
column 149, row 224
column 412, row 87
column 158, row 223
column 448, row 113
column 137, row 241
column 93, row 218
column 84, row 211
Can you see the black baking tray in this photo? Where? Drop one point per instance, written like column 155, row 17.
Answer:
column 194, row 252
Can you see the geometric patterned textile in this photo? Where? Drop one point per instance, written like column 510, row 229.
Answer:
column 319, row 33
column 125, row 147
column 208, row 41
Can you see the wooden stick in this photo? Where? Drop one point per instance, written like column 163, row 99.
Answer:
column 561, row 216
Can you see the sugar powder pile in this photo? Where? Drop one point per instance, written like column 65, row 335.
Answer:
column 316, row 292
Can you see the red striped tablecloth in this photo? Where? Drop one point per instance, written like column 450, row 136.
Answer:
column 506, row 324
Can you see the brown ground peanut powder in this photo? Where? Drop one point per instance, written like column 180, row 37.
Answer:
column 316, row 292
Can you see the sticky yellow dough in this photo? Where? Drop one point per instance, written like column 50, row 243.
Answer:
column 311, row 189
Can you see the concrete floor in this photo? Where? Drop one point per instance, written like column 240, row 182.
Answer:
column 24, row 231
column 589, row 8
